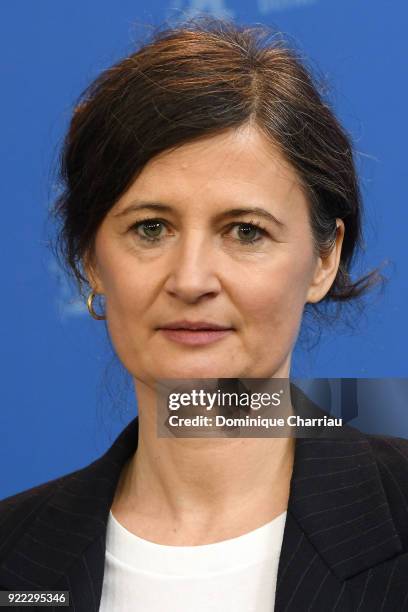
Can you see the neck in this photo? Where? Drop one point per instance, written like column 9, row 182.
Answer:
column 183, row 489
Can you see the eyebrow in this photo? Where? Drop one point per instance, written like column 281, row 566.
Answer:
column 232, row 212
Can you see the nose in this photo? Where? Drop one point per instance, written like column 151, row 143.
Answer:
column 193, row 268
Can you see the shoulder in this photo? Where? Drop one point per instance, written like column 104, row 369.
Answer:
column 31, row 498
column 74, row 502
column 79, row 500
column 18, row 511
column 391, row 457
column 391, row 454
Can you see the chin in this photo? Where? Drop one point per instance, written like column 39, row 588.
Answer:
column 200, row 370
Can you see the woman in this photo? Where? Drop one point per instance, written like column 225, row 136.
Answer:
column 211, row 198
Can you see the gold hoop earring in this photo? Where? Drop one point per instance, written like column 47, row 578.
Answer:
column 91, row 310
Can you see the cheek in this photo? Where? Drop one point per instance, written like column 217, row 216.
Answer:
column 128, row 289
column 273, row 298
column 126, row 308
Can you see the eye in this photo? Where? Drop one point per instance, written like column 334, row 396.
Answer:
column 250, row 232
column 148, row 229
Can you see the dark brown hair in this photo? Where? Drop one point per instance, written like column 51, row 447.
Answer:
column 193, row 80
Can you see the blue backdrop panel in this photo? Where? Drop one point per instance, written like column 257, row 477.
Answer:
column 60, row 382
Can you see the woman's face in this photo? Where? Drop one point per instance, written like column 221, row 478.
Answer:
column 182, row 244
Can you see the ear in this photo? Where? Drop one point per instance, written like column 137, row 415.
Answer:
column 326, row 268
column 91, row 272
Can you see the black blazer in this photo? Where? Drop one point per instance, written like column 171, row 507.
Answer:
column 345, row 544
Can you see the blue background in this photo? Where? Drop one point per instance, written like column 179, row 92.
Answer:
column 64, row 397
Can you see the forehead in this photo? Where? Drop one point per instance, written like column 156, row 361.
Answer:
column 236, row 167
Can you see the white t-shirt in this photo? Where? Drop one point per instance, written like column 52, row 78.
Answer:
column 237, row 575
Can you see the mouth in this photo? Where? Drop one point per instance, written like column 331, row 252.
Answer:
column 195, row 337
column 194, row 334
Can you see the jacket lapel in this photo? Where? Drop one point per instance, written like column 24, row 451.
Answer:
column 338, row 524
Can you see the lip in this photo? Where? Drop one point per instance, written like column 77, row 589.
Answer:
column 194, row 325
column 197, row 337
